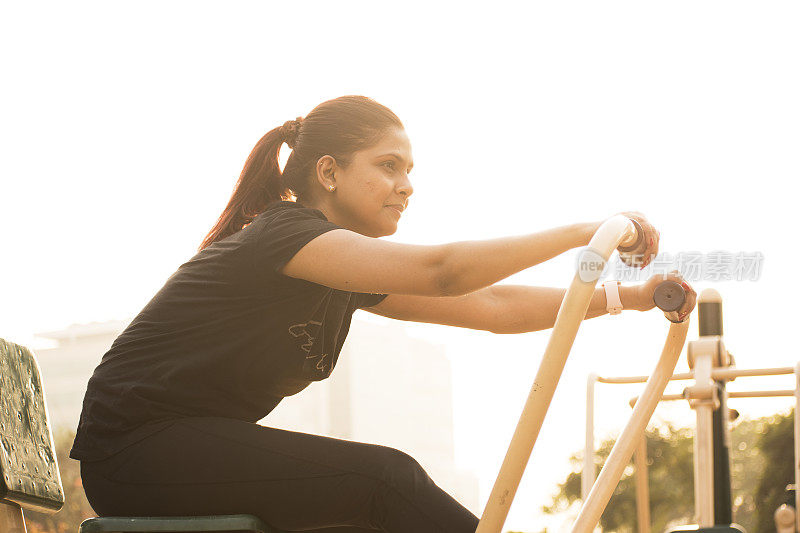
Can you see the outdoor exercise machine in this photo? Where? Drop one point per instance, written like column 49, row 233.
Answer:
column 615, row 232
column 24, row 415
column 30, row 479
column 711, row 367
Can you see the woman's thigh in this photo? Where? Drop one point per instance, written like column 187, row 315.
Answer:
column 293, row 481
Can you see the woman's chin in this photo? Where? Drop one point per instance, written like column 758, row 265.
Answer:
column 383, row 230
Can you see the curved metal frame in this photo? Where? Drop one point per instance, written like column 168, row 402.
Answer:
column 623, row 449
column 613, row 232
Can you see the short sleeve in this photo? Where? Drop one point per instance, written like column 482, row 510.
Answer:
column 368, row 300
column 280, row 235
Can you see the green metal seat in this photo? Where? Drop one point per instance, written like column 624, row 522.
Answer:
column 226, row 524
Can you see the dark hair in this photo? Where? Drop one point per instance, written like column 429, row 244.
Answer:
column 338, row 128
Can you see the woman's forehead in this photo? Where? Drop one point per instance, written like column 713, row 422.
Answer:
column 394, row 142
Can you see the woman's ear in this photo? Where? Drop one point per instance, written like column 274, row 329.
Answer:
column 326, row 170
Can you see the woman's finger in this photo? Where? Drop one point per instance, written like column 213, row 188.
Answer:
column 652, row 248
column 691, row 299
column 651, row 242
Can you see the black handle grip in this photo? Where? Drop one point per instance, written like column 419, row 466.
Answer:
column 669, row 296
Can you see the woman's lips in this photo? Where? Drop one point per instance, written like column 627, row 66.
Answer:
column 397, row 208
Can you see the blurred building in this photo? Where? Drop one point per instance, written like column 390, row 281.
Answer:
column 66, row 368
column 387, row 388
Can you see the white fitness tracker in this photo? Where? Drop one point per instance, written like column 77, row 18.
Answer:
column 613, row 301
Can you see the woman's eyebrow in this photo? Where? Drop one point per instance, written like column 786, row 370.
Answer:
column 399, row 158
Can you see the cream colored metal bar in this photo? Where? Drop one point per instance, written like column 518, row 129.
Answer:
column 613, row 232
column 622, row 380
column 730, row 373
column 717, row 373
column 760, row 393
column 587, row 474
column 797, row 446
column 664, row 398
column 621, row 453
column 731, row 394
column 642, row 486
column 703, row 441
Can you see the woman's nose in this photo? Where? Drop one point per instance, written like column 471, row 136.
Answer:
column 404, row 188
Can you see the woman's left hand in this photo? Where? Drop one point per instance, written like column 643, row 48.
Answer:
column 648, row 248
column 645, row 292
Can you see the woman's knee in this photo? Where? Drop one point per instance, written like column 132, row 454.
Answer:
column 409, row 500
column 402, row 470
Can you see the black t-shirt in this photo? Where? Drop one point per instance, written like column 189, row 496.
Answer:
column 227, row 335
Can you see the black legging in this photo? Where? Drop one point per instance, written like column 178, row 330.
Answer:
column 292, row 481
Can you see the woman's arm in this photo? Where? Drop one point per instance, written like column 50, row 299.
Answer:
column 499, row 308
column 349, row 261
column 519, row 309
column 526, row 309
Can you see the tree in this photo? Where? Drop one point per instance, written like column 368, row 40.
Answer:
column 761, row 467
column 776, row 444
column 669, row 452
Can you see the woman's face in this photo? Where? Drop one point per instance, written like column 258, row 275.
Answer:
column 372, row 191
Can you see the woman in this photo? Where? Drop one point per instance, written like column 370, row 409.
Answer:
column 169, row 419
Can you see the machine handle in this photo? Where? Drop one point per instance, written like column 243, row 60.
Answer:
column 669, row 296
column 631, row 249
column 626, row 245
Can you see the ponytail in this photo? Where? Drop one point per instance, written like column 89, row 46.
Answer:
column 259, row 185
column 338, row 127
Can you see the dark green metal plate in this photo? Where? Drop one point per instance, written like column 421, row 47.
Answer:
column 28, row 466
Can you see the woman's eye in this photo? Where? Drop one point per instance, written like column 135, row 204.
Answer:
column 389, row 164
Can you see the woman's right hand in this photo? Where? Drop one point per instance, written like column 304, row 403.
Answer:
column 645, row 291
column 644, row 254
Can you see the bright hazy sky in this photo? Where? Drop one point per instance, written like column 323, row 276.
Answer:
column 125, row 125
